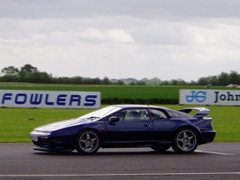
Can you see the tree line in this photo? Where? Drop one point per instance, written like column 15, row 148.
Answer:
column 31, row 74
column 221, row 80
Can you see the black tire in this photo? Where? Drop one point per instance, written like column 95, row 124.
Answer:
column 185, row 141
column 160, row 148
column 88, row 142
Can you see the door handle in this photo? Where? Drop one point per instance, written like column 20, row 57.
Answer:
column 147, row 125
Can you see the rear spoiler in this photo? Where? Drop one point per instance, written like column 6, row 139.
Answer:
column 202, row 111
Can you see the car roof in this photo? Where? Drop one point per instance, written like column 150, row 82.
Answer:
column 138, row 106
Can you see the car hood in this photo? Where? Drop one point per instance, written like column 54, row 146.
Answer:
column 62, row 124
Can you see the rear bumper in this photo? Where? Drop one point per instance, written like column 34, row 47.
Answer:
column 207, row 136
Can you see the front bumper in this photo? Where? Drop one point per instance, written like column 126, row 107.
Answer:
column 51, row 149
column 52, row 144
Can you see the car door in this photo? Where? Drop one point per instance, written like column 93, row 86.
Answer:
column 163, row 126
column 134, row 125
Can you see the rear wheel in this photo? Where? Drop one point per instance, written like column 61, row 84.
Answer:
column 185, row 141
column 88, row 142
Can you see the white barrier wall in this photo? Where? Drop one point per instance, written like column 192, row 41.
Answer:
column 50, row 99
column 209, row 97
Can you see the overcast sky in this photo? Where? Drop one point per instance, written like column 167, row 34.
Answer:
column 167, row 39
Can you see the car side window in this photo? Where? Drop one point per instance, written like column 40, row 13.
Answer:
column 120, row 115
column 136, row 114
column 157, row 114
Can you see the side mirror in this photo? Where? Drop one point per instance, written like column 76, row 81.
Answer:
column 112, row 120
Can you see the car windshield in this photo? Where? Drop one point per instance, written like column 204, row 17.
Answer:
column 100, row 113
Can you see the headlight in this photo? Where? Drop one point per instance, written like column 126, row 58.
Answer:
column 36, row 135
column 40, row 133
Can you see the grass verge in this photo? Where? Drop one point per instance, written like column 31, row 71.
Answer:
column 17, row 123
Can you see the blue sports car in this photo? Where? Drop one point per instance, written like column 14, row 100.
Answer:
column 128, row 126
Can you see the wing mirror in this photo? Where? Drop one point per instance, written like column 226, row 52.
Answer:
column 112, row 120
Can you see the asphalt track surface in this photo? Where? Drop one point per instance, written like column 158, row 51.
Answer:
column 211, row 161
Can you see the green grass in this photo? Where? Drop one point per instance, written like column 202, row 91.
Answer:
column 17, row 123
column 109, row 91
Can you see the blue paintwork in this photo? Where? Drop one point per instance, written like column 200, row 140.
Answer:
column 62, row 135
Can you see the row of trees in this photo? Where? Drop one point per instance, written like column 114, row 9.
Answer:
column 31, row 74
column 221, row 80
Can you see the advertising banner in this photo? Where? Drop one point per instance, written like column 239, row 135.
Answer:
column 209, row 97
column 50, row 99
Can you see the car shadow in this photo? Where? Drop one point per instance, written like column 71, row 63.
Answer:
column 114, row 152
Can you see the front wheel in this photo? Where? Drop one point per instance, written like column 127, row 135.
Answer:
column 185, row 141
column 88, row 142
